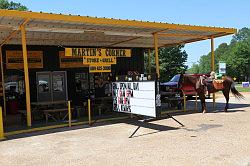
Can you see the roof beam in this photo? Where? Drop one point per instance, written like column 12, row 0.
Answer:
column 180, row 35
column 124, row 41
column 139, row 36
column 183, row 42
column 199, row 38
column 14, row 32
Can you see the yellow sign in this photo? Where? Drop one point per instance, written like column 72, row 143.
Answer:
column 101, row 52
column 14, row 59
column 99, row 60
column 100, row 69
column 70, row 62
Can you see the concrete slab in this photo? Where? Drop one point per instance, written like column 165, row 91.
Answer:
column 215, row 138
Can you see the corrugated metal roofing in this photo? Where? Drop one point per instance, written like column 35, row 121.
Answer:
column 69, row 30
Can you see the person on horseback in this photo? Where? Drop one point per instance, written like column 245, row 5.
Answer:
column 209, row 81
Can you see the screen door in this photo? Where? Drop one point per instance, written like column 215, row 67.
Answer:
column 51, row 86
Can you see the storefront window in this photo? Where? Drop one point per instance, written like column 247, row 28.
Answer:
column 14, row 83
column 103, row 84
column 81, row 80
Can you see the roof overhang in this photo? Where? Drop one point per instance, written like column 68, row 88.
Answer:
column 70, row 30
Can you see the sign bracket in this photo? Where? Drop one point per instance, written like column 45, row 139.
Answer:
column 154, row 119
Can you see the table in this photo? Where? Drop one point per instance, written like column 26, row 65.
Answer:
column 51, row 113
column 51, row 109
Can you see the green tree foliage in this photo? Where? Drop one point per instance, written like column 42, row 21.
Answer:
column 171, row 61
column 242, row 35
column 236, row 55
column 194, row 69
column 5, row 4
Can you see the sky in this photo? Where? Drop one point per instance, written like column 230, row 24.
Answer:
column 220, row 13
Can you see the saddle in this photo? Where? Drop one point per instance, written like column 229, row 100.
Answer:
column 218, row 84
column 208, row 82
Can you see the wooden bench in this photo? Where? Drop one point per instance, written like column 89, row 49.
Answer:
column 52, row 112
column 51, row 109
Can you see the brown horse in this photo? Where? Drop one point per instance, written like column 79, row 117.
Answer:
column 201, row 86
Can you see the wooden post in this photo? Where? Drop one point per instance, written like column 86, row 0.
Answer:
column 26, row 75
column 89, row 112
column 2, row 76
column 69, row 113
column 212, row 66
column 156, row 55
column 1, row 124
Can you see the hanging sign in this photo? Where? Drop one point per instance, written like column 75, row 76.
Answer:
column 99, row 60
column 70, row 62
column 222, row 68
column 100, row 69
column 101, row 52
column 14, row 59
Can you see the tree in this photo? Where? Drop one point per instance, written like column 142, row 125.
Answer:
column 194, row 69
column 5, row 4
column 171, row 61
column 242, row 35
column 236, row 55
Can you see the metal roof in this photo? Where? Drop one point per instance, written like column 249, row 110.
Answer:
column 70, row 30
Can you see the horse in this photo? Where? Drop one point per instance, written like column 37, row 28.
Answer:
column 201, row 85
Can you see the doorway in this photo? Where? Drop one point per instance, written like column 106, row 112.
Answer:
column 51, row 86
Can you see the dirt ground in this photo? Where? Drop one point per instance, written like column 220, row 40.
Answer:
column 215, row 138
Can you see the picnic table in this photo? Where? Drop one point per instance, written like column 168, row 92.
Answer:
column 53, row 110
column 56, row 110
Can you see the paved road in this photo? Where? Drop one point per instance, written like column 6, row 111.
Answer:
column 215, row 138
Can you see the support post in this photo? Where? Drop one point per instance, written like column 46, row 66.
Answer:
column 184, row 102
column 2, row 76
column 69, row 113
column 156, row 55
column 196, row 104
column 212, row 66
column 89, row 112
column 1, row 124
column 26, row 75
column 149, row 61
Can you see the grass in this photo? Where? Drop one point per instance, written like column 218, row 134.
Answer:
column 241, row 89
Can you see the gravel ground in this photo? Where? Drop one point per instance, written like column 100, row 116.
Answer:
column 214, row 138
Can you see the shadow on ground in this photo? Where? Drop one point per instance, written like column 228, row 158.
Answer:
column 219, row 107
column 204, row 127
column 134, row 121
column 158, row 128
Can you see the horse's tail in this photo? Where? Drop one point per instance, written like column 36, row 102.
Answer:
column 236, row 93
